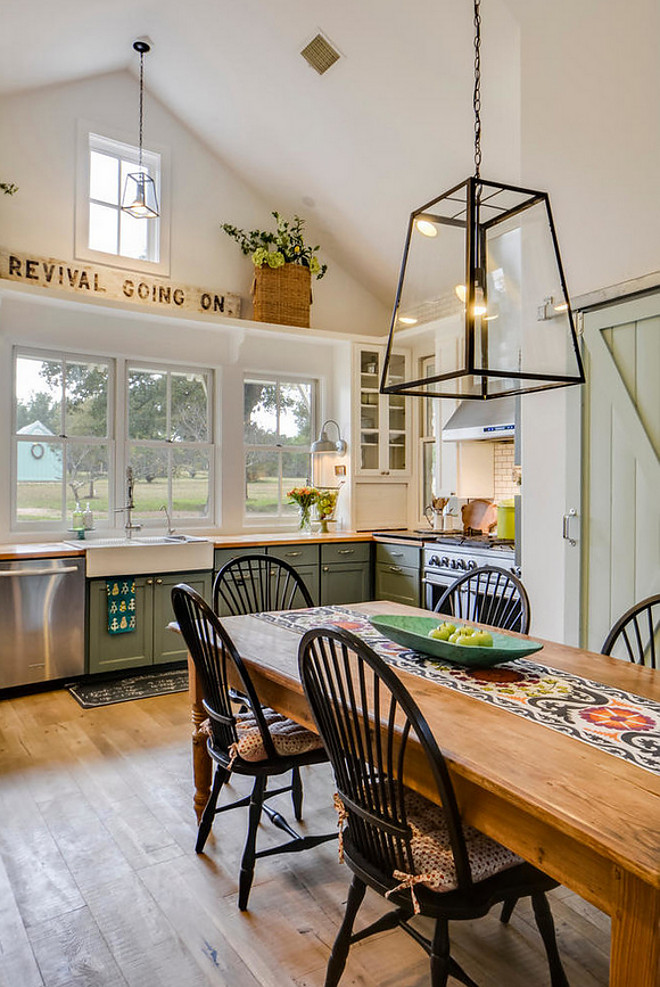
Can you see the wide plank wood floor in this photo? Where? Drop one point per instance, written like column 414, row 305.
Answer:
column 100, row 885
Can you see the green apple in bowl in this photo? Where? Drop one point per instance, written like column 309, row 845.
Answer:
column 483, row 639
column 442, row 632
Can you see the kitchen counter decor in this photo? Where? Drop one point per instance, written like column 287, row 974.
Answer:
column 284, row 265
column 326, row 504
column 305, row 498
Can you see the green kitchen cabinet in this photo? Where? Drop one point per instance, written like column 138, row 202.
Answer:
column 168, row 646
column 305, row 560
column 345, row 573
column 150, row 643
column 397, row 573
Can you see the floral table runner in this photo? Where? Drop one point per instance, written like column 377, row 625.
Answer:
column 618, row 722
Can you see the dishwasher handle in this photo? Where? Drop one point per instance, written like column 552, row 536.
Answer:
column 5, row 573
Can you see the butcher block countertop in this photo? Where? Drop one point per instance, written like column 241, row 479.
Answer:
column 46, row 550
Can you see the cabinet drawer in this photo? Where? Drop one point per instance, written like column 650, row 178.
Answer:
column 349, row 551
column 223, row 555
column 398, row 583
column 295, row 555
column 390, row 552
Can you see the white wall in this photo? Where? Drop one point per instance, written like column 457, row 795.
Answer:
column 590, row 77
column 32, row 318
column 38, row 133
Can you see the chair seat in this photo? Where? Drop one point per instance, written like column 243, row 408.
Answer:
column 432, row 853
column 289, row 738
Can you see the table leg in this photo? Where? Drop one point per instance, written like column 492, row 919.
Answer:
column 635, row 950
column 202, row 764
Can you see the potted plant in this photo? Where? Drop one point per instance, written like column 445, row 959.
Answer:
column 284, row 265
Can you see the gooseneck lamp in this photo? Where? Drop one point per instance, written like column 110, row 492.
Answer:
column 325, row 444
column 139, row 198
column 482, row 290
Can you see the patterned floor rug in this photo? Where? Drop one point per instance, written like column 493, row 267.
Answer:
column 120, row 690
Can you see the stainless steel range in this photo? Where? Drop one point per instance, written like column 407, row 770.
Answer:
column 448, row 557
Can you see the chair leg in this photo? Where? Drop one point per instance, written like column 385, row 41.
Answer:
column 296, row 793
column 546, row 926
column 208, row 815
column 440, row 959
column 507, row 909
column 247, row 861
column 342, row 944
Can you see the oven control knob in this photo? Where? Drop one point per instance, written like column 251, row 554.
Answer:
column 444, row 561
column 455, row 563
column 472, row 564
column 434, row 560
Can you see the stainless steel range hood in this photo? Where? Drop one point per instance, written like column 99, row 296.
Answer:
column 494, row 420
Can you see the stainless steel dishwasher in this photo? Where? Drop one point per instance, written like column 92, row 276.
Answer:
column 42, row 620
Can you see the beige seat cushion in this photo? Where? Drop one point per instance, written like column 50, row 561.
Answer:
column 289, row 738
column 431, row 847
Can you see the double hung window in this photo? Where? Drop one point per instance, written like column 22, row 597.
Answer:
column 278, row 425
column 169, row 440
column 62, row 436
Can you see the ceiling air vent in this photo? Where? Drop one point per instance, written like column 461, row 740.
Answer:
column 320, row 54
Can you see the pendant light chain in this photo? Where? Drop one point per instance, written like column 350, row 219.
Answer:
column 141, row 101
column 476, row 98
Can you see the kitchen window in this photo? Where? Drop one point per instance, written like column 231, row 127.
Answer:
column 278, row 425
column 104, row 233
column 169, row 437
column 63, row 438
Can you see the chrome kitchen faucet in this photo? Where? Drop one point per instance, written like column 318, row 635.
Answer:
column 129, row 527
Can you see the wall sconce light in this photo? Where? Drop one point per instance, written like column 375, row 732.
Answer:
column 324, row 444
column 139, row 198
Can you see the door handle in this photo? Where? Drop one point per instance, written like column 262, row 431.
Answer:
column 159, row 582
column 345, row 551
column 4, row 573
column 565, row 527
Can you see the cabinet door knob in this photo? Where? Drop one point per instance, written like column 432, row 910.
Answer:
column 159, row 582
column 326, row 568
column 149, row 582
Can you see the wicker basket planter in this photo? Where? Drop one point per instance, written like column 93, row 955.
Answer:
column 282, row 295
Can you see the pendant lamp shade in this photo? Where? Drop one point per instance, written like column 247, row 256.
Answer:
column 486, row 296
column 139, row 198
column 482, row 290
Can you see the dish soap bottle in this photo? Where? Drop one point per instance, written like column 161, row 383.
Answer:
column 88, row 518
column 77, row 521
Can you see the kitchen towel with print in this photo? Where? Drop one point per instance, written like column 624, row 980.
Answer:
column 121, row 605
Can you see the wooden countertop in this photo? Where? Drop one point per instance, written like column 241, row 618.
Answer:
column 45, row 550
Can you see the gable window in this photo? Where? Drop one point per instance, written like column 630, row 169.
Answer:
column 62, row 437
column 104, row 233
column 111, row 230
column 170, row 440
column 278, row 425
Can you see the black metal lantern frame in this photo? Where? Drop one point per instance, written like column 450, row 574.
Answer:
column 139, row 198
column 482, row 291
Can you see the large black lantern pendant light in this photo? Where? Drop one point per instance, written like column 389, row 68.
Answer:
column 139, row 198
column 482, row 290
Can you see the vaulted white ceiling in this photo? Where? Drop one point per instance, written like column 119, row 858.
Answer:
column 353, row 151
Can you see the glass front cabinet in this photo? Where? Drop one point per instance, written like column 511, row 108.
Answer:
column 383, row 420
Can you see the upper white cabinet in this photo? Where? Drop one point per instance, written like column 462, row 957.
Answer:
column 382, row 438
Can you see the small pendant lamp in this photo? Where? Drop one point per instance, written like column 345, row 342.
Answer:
column 482, row 290
column 139, row 198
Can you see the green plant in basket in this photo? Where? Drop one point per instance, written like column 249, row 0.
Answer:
column 285, row 246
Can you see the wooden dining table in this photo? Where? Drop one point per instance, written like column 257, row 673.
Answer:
column 586, row 817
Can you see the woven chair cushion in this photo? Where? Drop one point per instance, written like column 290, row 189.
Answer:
column 289, row 738
column 431, row 848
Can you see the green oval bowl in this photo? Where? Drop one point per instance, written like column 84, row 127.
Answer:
column 412, row 632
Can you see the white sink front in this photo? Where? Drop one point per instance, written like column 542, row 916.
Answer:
column 159, row 553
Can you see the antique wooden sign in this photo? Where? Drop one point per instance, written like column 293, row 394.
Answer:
column 143, row 290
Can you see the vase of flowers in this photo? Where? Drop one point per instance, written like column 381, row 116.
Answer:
column 326, row 503
column 305, row 498
column 284, row 266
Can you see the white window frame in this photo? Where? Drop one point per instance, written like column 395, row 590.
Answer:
column 279, row 519
column 64, row 441
column 167, row 444
column 119, row 144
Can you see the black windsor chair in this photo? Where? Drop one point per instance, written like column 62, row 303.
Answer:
column 256, row 583
column 257, row 743
column 397, row 842
column 636, row 635
column 488, row 595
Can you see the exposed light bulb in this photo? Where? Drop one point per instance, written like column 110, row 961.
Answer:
column 479, row 307
column 426, row 228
